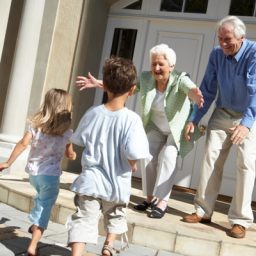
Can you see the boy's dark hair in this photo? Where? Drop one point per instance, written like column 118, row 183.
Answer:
column 119, row 75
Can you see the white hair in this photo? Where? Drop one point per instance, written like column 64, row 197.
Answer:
column 166, row 51
column 238, row 25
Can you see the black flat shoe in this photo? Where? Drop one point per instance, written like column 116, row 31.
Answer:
column 145, row 205
column 157, row 213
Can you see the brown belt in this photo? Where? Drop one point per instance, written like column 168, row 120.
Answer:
column 232, row 113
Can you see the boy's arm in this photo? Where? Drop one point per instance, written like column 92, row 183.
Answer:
column 133, row 165
column 70, row 153
column 18, row 149
column 90, row 81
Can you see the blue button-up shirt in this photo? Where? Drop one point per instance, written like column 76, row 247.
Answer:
column 233, row 81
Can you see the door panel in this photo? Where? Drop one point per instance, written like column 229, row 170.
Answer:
column 191, row 40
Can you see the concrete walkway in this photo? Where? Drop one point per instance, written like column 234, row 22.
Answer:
column 14, row 238
column 166, row 236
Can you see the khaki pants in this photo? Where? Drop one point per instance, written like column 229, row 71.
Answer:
column 218, row 145
column 83, row 224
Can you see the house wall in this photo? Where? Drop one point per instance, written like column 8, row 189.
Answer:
column 45, row 44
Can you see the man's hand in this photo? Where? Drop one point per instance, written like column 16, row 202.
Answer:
column 189, row 129
column 196, row 96
column 90, row 81
column 239, row 133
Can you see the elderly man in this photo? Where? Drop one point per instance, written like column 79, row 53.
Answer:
column 230, row 81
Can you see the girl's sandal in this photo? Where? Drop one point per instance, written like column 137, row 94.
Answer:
column 37, row 253
column 31, row 228
column 111, row 250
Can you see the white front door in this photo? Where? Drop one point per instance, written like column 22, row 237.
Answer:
column 192, row 41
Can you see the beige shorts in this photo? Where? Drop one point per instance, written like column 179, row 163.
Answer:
column 83, row 224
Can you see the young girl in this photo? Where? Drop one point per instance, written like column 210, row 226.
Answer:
column 49, row 133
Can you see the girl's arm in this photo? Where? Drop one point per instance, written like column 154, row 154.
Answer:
column 18, row 149
column 70, row 153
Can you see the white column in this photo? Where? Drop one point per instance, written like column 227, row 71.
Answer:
column 18, row 94
column 4, row 14
column 19, row 88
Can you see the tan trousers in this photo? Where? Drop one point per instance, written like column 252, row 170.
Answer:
column 218, row 145
column 159, row 174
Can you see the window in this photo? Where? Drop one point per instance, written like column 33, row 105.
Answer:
column 242, row 8
column 190, row 6
column 123, row 44
column 171, row 6
column 135, row 6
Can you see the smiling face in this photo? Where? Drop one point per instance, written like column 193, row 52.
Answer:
column 160, row 68
column 228, row 41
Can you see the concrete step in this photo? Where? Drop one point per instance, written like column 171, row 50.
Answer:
column 168, row 234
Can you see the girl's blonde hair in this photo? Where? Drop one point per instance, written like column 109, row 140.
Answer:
column 54, row 116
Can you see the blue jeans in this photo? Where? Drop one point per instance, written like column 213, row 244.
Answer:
column 47, row 188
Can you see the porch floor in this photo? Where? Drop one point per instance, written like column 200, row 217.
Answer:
column 169, row 233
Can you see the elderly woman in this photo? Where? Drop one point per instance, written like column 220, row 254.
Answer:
column 164, row 94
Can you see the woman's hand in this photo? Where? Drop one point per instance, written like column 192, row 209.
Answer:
column 196, row 96
column 90, row 81
column 189, row 129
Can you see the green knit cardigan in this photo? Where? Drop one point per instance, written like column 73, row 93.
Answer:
column 176, row 103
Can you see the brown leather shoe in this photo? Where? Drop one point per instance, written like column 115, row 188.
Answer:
column 237, row 231
column 194, row 218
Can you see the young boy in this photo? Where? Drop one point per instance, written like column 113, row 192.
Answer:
column 113, row 138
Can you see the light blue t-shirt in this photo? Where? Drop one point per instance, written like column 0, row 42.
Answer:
column 109, row 140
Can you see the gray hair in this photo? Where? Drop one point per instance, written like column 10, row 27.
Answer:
column 163, row 49
column 238, row 25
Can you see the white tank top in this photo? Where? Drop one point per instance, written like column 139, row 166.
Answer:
column 158, row 113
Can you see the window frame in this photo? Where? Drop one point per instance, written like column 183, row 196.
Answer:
column 217, row 9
